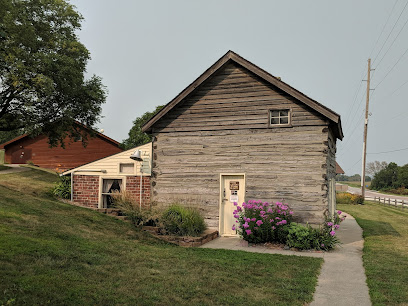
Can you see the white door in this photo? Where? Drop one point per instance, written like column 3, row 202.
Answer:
column 232, row 190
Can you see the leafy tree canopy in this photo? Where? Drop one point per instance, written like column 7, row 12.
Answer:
column 387, row 178
column 136, row 136
column 9, row 135
column 375, row 167
column 353, row 178
column 42, row 66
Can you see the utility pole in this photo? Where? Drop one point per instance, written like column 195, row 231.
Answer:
column 365, row 131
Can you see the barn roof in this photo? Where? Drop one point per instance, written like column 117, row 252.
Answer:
column 114, row 142
column 232, row 56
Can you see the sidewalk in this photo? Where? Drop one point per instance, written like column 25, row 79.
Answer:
column 14, row 168
column 342, row 280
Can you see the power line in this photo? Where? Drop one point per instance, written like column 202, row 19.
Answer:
column 392, row 93
column 352, row 120
column 350, row 137
column 385, row 24
column 392, row 43
column 342, row 151
column 389, row 34
column 354, row 101
column 403, row 149
column 378, row 84
column 349, row 168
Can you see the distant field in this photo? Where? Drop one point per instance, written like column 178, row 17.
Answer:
column 355, row 184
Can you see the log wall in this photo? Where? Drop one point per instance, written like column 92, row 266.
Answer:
column 223, row 127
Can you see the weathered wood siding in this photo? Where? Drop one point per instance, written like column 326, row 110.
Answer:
column 223, row 128
column 331, row 170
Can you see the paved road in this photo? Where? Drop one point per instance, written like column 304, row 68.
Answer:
column 372, row 194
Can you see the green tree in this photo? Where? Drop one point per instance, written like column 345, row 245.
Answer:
column 42, row 66
column 386, row 178
column 9, row 135
column 136, row 136
column 402, row 177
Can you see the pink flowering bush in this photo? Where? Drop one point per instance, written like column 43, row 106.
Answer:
column 259, row 221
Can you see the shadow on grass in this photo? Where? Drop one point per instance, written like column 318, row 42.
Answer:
column 377, row 228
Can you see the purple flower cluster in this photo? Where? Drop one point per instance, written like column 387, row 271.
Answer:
column 257, row 218
column 335, row 224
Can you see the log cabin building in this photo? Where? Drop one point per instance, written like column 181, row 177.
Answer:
column 36, row 150
column 238, row 133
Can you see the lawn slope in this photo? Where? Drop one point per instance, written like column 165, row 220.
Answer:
column 385, row 257
column 55, row 253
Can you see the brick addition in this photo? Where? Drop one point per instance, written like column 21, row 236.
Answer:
column 86, row 190
column 133, row 188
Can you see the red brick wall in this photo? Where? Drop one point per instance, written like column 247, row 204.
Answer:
column 133, row 187
column 86, row 190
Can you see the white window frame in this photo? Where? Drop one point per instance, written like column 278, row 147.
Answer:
column 289, row 116
column 127, row 163
column 109, row 177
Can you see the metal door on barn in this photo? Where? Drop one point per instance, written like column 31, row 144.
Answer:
column 21, row 156
column 232, row 190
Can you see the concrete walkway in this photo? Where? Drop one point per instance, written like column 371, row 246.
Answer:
column 342, row 280
column 13, row 169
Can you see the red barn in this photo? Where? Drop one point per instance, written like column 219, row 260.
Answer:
column 24, row 149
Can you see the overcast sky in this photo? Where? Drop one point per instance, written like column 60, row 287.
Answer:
column 148, row 51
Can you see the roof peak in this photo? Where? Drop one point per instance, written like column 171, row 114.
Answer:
column 275, row 81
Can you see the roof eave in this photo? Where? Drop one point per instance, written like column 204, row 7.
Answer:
column 230, row 55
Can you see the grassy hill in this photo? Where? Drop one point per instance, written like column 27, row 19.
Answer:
column 56, row 253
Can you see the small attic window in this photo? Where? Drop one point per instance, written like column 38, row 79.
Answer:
column 280, row 117
column 128, row 168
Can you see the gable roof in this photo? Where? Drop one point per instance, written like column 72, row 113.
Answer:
column 339, row 170
column 114, row 142
column 232, row 56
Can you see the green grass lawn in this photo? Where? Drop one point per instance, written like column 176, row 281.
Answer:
column 385, row 251
column 55, row 253
column 2, row 167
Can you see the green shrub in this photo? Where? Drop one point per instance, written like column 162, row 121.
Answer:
column 348, row 198
column 306, row 237
column 358, row 199
column 63, row 188
column 401, row 190
column 139, row 216
column 298, row 237
column 183, row 221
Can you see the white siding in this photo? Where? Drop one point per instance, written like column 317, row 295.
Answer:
column 111, row 164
